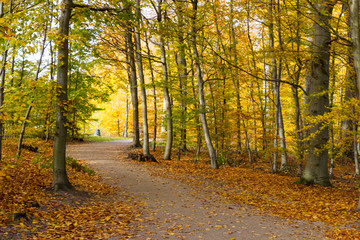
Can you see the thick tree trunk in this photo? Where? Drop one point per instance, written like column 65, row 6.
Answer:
column 60, row 179
column 146, row 150
column 316, row 170
column 355, row 37
column 200, row 83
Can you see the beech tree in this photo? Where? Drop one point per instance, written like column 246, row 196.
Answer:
column 316, row 170
column 139, row 63
column 200, row 83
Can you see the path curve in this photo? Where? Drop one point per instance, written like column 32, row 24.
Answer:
column 175, row 210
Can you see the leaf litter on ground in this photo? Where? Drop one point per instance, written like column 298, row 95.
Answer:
column 92, row 211
column 274, row 194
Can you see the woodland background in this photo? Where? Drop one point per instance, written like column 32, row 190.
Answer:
column 274, row 82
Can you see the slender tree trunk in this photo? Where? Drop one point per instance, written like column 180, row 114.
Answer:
column 133, row 88
column 126, row 127
column 274, row 77
column 2, row 77
column 197, row 118
column 316, row 170
column 356, row 153
column 235, row 78
column 182, row 69
column 200, row 83
column 118, row 127
column 60, row 179
column 278, row 104
column 167, row 100
column 27, row 115
column 154, row 91
column 279, row 138
column 22, row 133
column 146, row 150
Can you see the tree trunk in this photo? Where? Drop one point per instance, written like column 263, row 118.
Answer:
column 146, row 150
column 27, row 115
column 316, row 170
column 126, row 127
column 60, row 179
column 154, row 91
column 200, row 83
column 133, row 87
column 182, row 69
column 2, row 76
column 197, row 119
column 167, row 101
column 355, row 37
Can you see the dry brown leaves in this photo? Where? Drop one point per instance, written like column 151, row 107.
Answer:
column 93, row 211
column 275, row 194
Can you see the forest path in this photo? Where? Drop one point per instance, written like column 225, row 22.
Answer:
column 171, row 209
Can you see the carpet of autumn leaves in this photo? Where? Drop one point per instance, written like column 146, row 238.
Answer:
column 92, row 211
column 279, row 195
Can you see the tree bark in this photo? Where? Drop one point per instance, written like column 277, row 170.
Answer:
column 126, row 127
column 133, row 87
column 146, row 150
column 167, row 101
column 316, row 170
column 154, row 92
column 200, row 82
column 60, row 179
column 355, row 37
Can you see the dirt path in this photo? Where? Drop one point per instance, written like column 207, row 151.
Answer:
column 174, row 210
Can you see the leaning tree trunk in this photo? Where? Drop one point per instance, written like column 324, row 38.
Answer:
column 200, row 83
column 146, row 150
column 60, row 179
column 316, row 170
column 27, row 115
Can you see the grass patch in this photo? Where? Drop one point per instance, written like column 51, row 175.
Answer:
column 90, row 138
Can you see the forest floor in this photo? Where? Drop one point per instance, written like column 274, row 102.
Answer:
column 171, row 208
column 177, row 199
